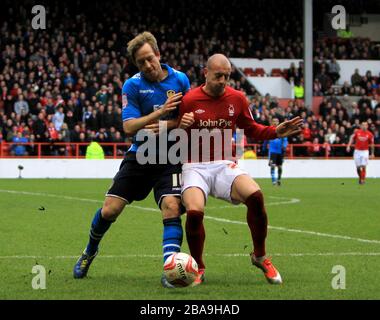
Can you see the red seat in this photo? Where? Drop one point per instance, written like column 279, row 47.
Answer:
column 260, row 72
column 248, row 72
column 276, row 72
column 5, row 149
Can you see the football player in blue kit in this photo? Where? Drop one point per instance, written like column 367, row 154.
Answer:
column 277, row 149
column 150, row 97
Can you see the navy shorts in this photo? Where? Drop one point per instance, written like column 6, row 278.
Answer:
column 134, row 181
column 276, row 159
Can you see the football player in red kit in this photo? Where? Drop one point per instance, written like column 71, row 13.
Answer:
column 212, row 107
column 363, row 138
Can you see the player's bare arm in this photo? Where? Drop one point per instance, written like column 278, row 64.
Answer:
column 289, row 127
column 150, row 121
column 372, row 155
column 350, row 143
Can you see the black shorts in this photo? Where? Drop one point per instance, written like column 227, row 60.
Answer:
column 134, row 181
column 276, row 159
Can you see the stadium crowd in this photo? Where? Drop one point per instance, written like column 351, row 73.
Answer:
column 63, row 84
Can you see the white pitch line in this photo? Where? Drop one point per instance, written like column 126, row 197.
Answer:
column 314, row 233
column 240, row 206
column 49, row 195
column 228, row 255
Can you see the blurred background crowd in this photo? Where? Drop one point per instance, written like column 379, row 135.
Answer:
column 63, row 84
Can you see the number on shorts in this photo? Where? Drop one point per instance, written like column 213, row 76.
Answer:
column 176, row 179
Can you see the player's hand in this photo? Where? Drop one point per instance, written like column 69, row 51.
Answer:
column 171, row 103
column 187, row 120
column 156, row 127
column 372, row 156
column 289, row 127
column 153, row 127
column 348, row 149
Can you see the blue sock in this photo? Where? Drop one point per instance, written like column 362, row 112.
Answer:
column 272, row 174
column 99, row 227
column 172, row 237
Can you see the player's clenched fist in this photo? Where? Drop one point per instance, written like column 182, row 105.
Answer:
column 187, row 120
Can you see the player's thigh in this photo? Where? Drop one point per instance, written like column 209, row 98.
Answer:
column 196, row 185
column 224, row 178
column 242, row 187
column 279, row 160
column 194, row 199
column 357, row 158
column 167, row 190
column 133, row 182
column 364, row 159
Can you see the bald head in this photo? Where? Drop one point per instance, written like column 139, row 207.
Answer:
column 217, row 73
column 217, row 60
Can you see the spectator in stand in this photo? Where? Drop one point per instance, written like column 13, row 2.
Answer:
column 299, row 89
column 314, row 150
column 83, row 143
column 58, row 118
column 18, row 148
column 364, row 102
column 109, row 117
column 102, row 95
column 59, row 149
column 317, row 88
column 324, row 79
column 306, row 132
column 345, row 90
column 342, row 134
column 21, row 105
column 65, row 132
column 70, row 120
column 39, row 127
column 356, row 78
column 8, row 105
column 330, row 136
column 53, row 133
column 334, row 70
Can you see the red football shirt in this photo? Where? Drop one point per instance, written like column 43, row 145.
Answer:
column 362, row 139
column 229, row 111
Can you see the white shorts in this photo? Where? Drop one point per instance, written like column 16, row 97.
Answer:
column 361, row 157
column 214, row 178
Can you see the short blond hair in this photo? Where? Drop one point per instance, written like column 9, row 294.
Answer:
column 137, row 42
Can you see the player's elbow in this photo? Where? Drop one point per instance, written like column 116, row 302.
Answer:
column 128, row 129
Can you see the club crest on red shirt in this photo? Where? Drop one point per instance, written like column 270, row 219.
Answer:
column 231, row 110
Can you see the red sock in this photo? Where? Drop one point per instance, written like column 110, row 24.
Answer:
column 361, row 171
column 195, row 234
column 257, row 221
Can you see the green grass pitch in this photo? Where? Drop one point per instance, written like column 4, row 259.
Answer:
column 315, row 224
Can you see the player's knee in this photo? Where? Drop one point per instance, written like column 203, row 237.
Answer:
column 170, row 207
column 109, row 213
column 255, row 202
column 112, row 209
